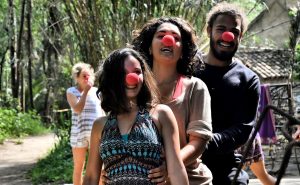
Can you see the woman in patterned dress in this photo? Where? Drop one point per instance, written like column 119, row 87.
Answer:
column 85, row 109
column 128, row 142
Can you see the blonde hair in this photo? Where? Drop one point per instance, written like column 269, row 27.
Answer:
column 77, row 68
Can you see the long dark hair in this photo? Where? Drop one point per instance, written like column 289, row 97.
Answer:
column 112, row 83
column 142, row 40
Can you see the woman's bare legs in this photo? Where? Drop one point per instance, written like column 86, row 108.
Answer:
column 79, row 161
column 259, row 170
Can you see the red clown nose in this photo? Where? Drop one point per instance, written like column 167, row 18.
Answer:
column 227, row 36
column 132, row 78
column 168, row 40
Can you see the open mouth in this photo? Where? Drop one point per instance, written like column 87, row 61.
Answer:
column 224, row 44
column 166, row 50
column 131, row 86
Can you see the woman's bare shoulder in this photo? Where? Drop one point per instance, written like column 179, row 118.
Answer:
column 162, row 108
column 100, row 122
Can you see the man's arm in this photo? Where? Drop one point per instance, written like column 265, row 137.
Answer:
column 237, row 135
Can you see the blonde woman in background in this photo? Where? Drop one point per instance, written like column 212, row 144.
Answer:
column 85, row 107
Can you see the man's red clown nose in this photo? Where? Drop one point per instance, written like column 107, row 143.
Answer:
column 227, row 36
column 132, row 79
column 168, row 40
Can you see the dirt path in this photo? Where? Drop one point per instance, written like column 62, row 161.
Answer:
column 17, row 159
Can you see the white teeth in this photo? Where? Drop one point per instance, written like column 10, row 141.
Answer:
column 131, row 86
column 225, row 44
column 166, row 50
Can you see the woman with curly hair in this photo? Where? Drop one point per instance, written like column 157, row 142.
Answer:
column 169, row 44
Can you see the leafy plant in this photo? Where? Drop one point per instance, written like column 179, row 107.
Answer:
column 17, row 124
column 56, row 168
column 8, row 101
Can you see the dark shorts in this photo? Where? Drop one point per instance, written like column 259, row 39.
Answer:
column 255, row 153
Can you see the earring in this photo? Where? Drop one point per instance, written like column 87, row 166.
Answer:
column 150, row 51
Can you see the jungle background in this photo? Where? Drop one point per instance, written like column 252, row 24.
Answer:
column 42, row 39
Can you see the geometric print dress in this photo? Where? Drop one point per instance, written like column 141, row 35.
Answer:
column 128, row 158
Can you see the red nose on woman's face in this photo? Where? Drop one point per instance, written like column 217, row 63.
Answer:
column 168, row 40
column 228, row 36
column 132, row 79
column 86, row 78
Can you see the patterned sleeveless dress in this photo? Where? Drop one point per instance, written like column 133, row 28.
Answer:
column 127, row 159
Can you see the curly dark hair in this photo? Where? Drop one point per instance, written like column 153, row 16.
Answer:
column 142, row 40
column 111, row 80
column 225, row 8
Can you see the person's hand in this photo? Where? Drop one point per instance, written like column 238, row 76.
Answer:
column 103, row 179
column 159, row 175
column 296, row 135
column 88, row 86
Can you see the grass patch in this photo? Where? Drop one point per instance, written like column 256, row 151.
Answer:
column 56, row 168
column 15, row 124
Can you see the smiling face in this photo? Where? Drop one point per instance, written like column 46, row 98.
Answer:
column 221, row 49
column 162, row 53
column 132, row 65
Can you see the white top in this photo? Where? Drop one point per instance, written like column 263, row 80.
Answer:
column 82, row 123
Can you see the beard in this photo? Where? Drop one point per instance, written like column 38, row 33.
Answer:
column 224, row 56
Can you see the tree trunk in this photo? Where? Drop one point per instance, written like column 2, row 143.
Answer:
column 18, row 57
column 293, row 38
column 51, row 58
column 1, row 68
column 12, row 48
column 29, row 52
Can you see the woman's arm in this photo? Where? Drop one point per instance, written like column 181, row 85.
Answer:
column 176, row 170
column 192, row 150
column 78, row 105
column 296, row 135
column 199, row 127
column 94, row 165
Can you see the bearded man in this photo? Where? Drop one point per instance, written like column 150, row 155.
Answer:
column 234, row 91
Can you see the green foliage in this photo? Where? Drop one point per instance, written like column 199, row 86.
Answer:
column 293, row 12
column 296, row 74
column 251, row 7
column 56, row 168
column 18, row 124
column 102, row 26
column 66, row 32
column 62, row 127
column 8, row 101
column 297, row 56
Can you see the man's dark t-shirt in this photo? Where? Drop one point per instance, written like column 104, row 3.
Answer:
column 234, row 91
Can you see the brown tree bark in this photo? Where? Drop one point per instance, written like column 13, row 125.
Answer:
column 1, row 68
column 19, row 71
column 29, row 52
column 50, row 58
column 12, row 48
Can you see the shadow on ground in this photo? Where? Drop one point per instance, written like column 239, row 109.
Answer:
column 15, row 175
